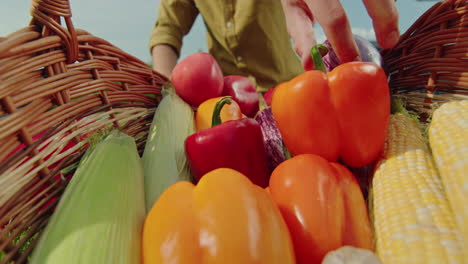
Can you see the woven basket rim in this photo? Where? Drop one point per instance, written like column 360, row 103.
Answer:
column 52, row 77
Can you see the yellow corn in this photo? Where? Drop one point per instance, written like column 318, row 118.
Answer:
column 448, row 137
column 411, row 215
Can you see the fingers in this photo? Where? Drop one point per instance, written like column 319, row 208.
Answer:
column 299, row 22
column 384, row 16
column 332, row 17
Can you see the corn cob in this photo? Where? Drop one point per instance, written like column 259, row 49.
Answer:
column 411, row 215
column 164, row 160
column 448, row 137
column 100, row 216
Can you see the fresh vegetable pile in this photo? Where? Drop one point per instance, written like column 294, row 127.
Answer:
column 231, row 176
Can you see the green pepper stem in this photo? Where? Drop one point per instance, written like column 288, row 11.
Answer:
column 216, row 119
column 287, row 154
column 317, row 52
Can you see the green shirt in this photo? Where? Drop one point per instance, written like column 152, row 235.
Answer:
column 246, row 37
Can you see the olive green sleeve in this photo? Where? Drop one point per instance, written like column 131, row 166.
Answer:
column 174, row 21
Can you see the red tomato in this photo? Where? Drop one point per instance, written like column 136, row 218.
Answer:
column 322, row 205
column 242, row 90
column 360, row 94
column 197, row 78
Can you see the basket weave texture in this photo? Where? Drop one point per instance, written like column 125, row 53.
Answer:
column 59, row 84
column 429, row 65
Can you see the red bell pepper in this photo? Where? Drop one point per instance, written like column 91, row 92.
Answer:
column 234, row 144
column 268, row 96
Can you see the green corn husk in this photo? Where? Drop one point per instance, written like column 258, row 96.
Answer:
column 164, row 158
column 100, row 216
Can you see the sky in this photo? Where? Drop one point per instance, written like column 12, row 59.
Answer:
column 127, row 24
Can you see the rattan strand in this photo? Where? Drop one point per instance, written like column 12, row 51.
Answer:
column 431, row 58
column 53, row 79
column 24, row 196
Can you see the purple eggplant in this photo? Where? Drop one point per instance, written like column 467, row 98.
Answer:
column 367, row 50
column 271, row 135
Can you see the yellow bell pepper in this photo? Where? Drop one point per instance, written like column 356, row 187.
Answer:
column 204, row 114
column 224, row 219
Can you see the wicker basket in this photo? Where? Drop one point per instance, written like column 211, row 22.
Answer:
column 58, row 85
column 429, row 65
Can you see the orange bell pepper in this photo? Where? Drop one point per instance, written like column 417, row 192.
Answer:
column 204, row 114
column 224, row 219
column 341, row 114
column 322, row 205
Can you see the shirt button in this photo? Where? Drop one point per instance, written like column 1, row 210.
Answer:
column 229, row 24
column 239, row 58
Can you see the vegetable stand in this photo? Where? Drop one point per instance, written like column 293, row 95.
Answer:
column 60, row 87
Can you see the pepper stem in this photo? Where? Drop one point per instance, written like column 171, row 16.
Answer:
column 317, row 52
column 287, row 154
column 216, row 119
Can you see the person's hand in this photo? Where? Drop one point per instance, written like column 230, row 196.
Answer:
column 300, row 16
